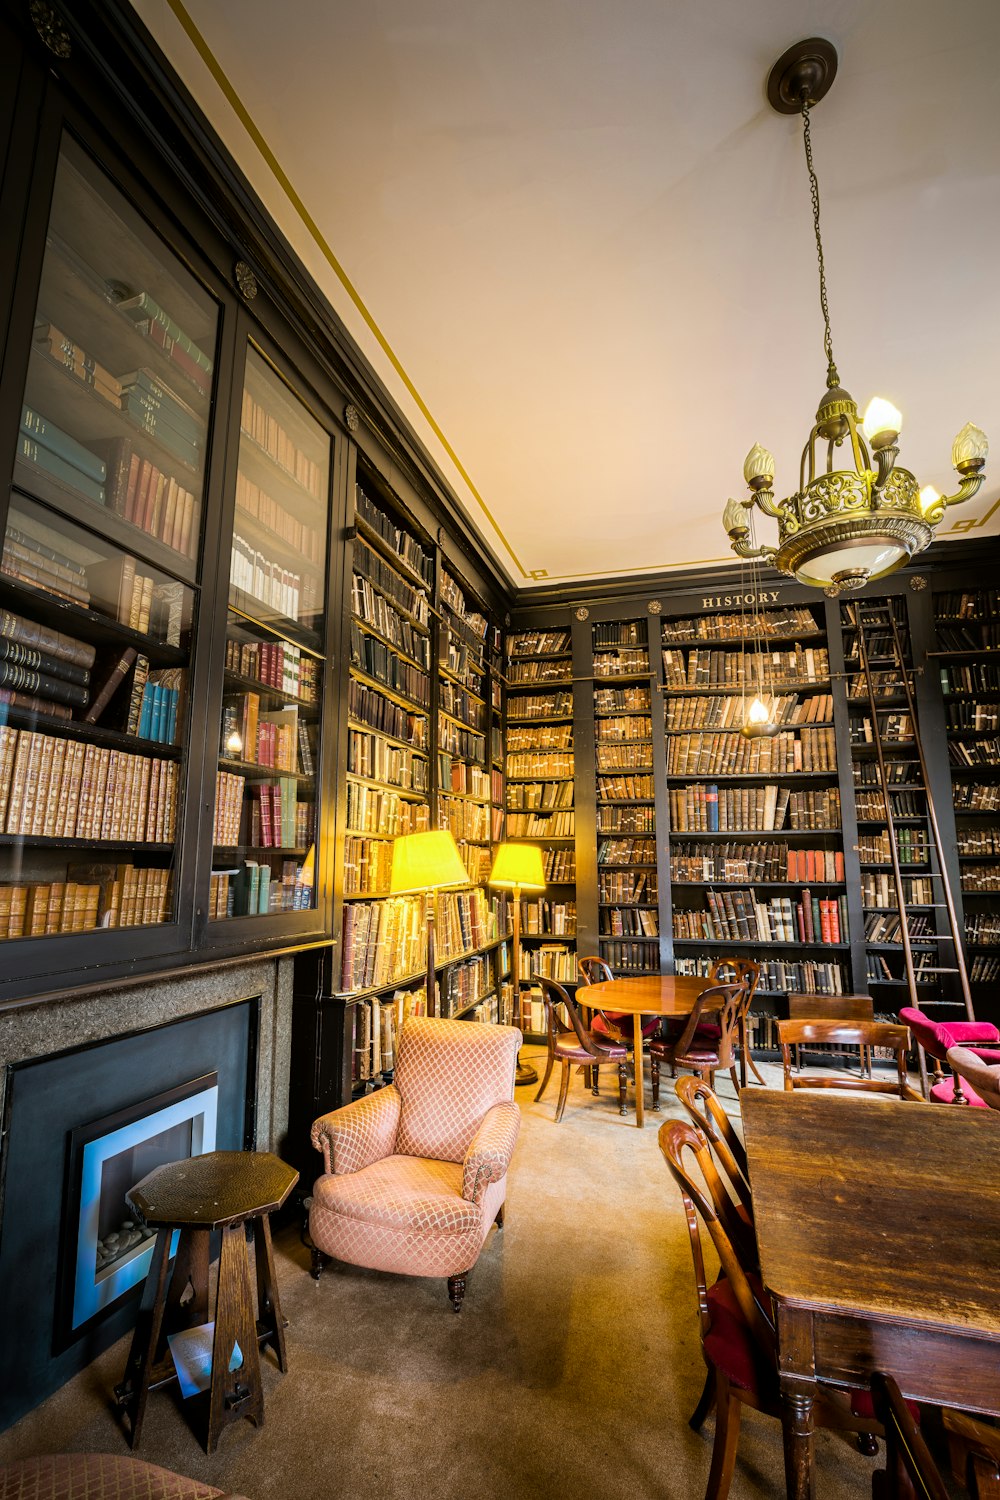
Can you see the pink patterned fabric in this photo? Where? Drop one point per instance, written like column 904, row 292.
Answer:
column 449, row 1073
column 418, row 1196
column 359, row 1133
column 488, row 1157
column 97, row 1476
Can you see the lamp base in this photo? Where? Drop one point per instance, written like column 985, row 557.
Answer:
column 524, row 1073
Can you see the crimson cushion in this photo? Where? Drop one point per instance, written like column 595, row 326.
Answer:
column 944, row 1093
column 624, row 1023
column 729, row 1343
column 937, row 1036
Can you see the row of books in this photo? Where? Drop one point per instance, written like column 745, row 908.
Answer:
column 623, row 663
column 467, row 820
column 979, row 796
column 981, row 637
column 100, row 896
column 559, row 866
column 73, row 358
column 792, row 620
column 376, row 610
column 978, row 841
column 47, row 446
column 622, row 700
column 149, row 498
column 978, row 677
column 453, row 596
column 375, row 810
column 405, row 546
column 880, row 890
column 469, row 780
column 464, row 985
column 267, row 432
column 275, row 664
column 624, row 788
column 622, row 730
column 624, row 757
column 412, row 601
column 535, row 825
column 729, row 711
column 717, row 863
column 367, row 866
column 894, row 729
column 626, row 852
column 897, row 773
column 462, row 743
column 974, row 752
column 304, row 540
column 709, row 809
column 629, row 921
column 551, row 961
column 631, row 957
column 984, row 931
column 275, row 818
column 152, row 322
column 228, row 808
column 461, row 704
column 257, row 736
column 984, row 969
column 376, row 1032
column 981, row 877
column 543, row 917
column 540, row 706
column 157, row 409
column 887, row 927
column 456, row 657
column 739, row 915
column 543, row 796
column 253, row 890
column 640, row 819
column 384, row 941
column 370, row 755
column 978, row 604
column 911, row 844
column 56, row 788
column 538, row 642
column 370, row 707
column 884, row 684
column 478, row 861
column 786, row 976
column 619, row 633
column 265, row 580
column 538, row 669
column 622, row 888
column 810, row 750
column 973, row 716
column 701, row 667
column 375, row 659
column 43, row 567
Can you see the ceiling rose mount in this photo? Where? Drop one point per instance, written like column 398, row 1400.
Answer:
column 856, row 514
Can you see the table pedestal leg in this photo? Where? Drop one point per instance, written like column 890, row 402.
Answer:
column 234, row 1393
column 797, row 1430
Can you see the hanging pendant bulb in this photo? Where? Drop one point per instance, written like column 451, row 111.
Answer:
column 758, row 724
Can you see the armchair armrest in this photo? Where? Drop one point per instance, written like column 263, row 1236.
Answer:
column 490, row 1150
column 359, row 1133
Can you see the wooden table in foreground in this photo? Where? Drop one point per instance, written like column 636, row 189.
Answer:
column 644, row 995
column 879, row 1232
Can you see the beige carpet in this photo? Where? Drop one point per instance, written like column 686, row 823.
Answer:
column 571, row 1370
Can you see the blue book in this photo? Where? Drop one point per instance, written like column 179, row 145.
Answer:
column 175, row 698
column 145, row 713
column 43, row 458
column 712, row 807
column 156, row 714
column 41, row 430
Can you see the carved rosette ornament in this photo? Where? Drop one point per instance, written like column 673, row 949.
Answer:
column 918, row 583
column 48, row 23
column 583, row 613
column 655, row 607
column 246, row 281
column 352, row 417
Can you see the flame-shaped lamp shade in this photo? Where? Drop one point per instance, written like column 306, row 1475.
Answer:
column 882, row 422
column 758, row 467
column 518, row 867
column 425, row 862
column 970, row 447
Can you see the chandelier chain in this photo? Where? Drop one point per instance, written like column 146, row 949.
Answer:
column 832, row 378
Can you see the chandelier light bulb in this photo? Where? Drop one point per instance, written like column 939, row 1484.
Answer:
column 757, row 713
column 929, row 497
column 882, row 422
column 234, row 744
column 970, row 447
column 758, row 468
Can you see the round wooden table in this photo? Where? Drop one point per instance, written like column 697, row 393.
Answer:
column 645, row 995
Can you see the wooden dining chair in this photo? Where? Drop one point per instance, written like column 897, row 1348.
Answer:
column 742, row 971
column 702, row 1053
column 910, row 1470
column 707, row 1112
column 974, row 1451
column 803, row 1007
column 737, row 1324
column 840, row 1034
column 573, row 1046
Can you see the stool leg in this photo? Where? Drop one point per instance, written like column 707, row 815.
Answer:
column 236, row 1393
column 131, row 1394
column 190, row 1265
column 270, row 1322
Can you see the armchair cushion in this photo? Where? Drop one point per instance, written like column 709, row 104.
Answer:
column 449, row 1073
column 488, row 1157
column 937, row 1036
column 98, row 1476
column 360, row 1133
column 403, row 1192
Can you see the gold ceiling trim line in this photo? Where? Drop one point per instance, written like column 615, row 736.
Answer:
column 243, row 115
column 542, row 577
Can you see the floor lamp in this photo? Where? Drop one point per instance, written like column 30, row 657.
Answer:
column 422, row 864
column 517, row 868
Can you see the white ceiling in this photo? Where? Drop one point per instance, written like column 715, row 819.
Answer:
column 575, row 241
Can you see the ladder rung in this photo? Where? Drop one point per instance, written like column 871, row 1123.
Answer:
column 930, row 969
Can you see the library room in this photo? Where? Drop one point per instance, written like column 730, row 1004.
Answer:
column 500, row 974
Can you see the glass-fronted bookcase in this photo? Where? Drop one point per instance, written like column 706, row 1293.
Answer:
column 99, row 578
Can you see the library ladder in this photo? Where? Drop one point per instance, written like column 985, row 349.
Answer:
column 949, row 967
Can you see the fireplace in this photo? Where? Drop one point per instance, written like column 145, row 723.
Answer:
column 106, row 1251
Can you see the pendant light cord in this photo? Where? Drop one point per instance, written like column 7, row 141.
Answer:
column 832, row 378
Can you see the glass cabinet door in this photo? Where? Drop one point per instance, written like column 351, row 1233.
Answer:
column 99, row 572
column 264, row 839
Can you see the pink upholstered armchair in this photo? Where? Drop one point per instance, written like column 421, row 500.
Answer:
column 416, row 1173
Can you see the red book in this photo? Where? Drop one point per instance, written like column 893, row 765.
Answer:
column 807, row 916
column 826, row 927
column 792, row 873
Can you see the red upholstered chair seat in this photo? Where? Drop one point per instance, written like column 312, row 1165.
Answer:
column 705, row 1031
column 937, row 1036
column 569, row 1048
column 622, row 1022
column 944, row 1093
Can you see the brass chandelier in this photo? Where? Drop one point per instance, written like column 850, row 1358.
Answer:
column 860, row 516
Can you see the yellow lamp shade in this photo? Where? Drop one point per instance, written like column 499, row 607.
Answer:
column 425, row 862
column 518, row 865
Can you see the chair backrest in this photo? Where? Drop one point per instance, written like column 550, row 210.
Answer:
column 741, row 970
column 730, row 1001
column 554, row 995
column 984, row 1076
column 706, row 1111
column 732, row 1012
column 595, row 971
column 840, row 1034
column 675, row 1138
column 831, row 1007
column 905, row 1448
column 974, row 1449
column 449, row 1073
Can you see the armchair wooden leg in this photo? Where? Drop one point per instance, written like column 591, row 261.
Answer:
column 654, row 1074
column 706, row 1404
column 623, row 1087
column 563, row 1091
column 317, row 1262
column 545, row 1078
column 456, row 1291
column 727, row 1436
